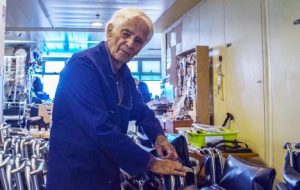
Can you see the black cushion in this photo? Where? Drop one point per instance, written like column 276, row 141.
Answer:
column 239, row 174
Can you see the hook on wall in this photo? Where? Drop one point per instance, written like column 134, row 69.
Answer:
column 297, row 21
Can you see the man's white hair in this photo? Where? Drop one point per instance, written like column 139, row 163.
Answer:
column 123, row 15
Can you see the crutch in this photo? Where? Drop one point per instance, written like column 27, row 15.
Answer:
column 3, row 163
column 32, row 182
column 17, row 172
column 9, row 166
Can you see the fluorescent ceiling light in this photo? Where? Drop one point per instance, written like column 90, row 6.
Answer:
column 19, row 41
column 97, row 23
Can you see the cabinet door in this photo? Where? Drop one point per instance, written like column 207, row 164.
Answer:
column 190, row 29
column 244, row 61
column 212, row 23
column 285, row 75
column 212, row 35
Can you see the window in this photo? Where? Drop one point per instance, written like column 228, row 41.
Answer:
column 133, row 66
column 154, row 87
column 49, row 74
column 54, row 66
column 151, row 66
column 50, row 83
column 149, row 71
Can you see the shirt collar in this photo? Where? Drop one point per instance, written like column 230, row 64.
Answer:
column 109, row 58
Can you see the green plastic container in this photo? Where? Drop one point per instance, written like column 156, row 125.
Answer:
column 199, row 140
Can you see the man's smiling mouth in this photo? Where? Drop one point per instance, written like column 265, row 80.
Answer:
column 125, row 53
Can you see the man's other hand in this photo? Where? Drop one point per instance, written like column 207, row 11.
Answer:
column 164, row 149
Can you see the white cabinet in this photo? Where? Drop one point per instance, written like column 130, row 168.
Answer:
column 244, row 70
column 233, row 31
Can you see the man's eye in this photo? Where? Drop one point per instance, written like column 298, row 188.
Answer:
column 125, row 34
column 139, row 42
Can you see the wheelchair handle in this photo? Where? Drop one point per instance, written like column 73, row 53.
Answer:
column 297, row 146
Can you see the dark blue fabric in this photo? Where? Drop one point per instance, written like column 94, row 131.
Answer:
column 88, row 143
column 144, row 90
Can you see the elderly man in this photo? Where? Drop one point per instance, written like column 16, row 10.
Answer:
column 95, row 99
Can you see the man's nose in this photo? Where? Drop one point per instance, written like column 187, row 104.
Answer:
column 130, row 43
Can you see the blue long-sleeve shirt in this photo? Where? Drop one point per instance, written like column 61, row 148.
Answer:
column 88, row 143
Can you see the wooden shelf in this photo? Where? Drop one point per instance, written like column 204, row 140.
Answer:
column 195, row 154
column 171, row 125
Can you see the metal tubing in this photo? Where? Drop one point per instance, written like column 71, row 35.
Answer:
column 9, row 166
column 37, row 148
column 219, row 153
column 182, row 181
column 172, row 182
column 2, row 129
column 3, row 178
column 5, row 144
column 141, row 184
column 16, row 172
column 27, row 175
column 22, row 151
column 288, row 146
column 213, row 167
column 34, row 173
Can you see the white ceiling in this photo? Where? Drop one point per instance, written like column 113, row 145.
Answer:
column 65, row 14
column 62, row 25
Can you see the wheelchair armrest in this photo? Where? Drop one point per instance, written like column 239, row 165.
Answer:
column 281, row 186
column 291, row 178
column 254, row 177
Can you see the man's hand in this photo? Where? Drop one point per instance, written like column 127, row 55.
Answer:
column 166, row 167
column 164, row 149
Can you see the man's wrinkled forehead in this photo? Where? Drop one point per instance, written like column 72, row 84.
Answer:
column 134, row 22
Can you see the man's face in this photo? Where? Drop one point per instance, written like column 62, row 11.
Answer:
column 127, row 40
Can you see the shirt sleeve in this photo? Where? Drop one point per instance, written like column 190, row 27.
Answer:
column 82, row 90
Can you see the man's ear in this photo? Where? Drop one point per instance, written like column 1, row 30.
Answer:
column 109, row 31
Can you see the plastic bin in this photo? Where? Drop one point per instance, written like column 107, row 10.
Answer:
column 199, row 140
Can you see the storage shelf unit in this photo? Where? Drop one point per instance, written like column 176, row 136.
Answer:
column 193, row 86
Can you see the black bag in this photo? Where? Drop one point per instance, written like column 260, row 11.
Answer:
column 231, row 146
